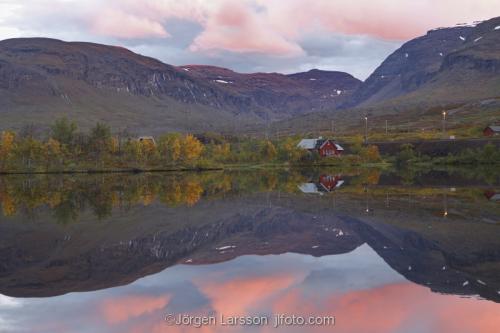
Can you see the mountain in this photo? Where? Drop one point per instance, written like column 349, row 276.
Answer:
column 293, row 94
column 455, row 69
column 447, row 65
column 42, row 79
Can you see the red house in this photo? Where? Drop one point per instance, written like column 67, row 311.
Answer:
column 325, row 147
column 491, row 131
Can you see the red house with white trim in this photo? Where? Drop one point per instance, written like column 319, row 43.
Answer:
column 491, row 131
column 325, row 147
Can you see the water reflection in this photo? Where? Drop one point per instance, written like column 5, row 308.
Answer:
column 358, row 288
column 369, row 245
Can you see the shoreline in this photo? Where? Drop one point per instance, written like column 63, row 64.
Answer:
column 230, row 167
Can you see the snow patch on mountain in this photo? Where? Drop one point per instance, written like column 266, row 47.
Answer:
column 225, row 247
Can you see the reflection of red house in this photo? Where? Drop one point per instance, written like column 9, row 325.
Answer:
column 325, row 147
column 491, row 131
column 326, row 183
column 492, row 195
column 329, row 182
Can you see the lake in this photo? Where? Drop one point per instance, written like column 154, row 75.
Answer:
column 317, row 250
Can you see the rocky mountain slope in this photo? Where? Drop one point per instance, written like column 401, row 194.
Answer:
column 447, row 65
column 41, row 79
column 293, row 94
column 456, row 68
column 449, row 69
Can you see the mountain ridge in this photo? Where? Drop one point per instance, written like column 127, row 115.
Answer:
column 42, row 78
column 429, row 61
column 456, row 69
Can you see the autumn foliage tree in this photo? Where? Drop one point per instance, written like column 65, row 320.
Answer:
column 191, row 148
column 7, row 147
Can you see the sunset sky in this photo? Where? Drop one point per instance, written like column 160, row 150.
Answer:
column 245, row 35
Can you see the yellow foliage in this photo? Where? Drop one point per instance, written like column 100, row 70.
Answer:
column 8, row 206
column 193, row 193
column 114, row 144
column 192, row 148
column 147, row 146
column 54, row 199
column 373, row 177
column 176, row 149
column 6, row 144
column 222, row 151
column 53, row 147
column 371, row 153
column 269, row 152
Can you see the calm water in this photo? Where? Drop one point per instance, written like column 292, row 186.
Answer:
column 378, row 252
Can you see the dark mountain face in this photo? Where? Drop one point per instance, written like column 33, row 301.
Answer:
column 41, row 79
column 444, row 66
column 293, row 94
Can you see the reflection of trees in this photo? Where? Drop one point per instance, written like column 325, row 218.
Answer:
column 66, row 212
column 68, row 196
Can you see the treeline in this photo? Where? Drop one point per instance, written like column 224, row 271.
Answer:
column 487, row 155
column 67, row 148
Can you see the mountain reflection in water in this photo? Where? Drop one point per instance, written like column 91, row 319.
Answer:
column 377, row 251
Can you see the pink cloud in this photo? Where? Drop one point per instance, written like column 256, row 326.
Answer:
column 235, row 27
column 394, row 307
column 273, row 27
column 251, row 292
column 115, row 23
column 121, row 309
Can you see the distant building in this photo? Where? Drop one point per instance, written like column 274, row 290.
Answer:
column 491, row 130
column 147, row 139
column 492, row 195
column 325, row 147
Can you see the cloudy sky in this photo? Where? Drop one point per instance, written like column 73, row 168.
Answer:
column 245, row 35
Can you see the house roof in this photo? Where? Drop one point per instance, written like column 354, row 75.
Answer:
column 307, row 143
column 316, row 144
column 495, row 197
column 494, row 128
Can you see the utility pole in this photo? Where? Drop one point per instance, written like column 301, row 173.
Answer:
column 366, row 129
column 333, row 128
column 386, row 128
column 444, row 124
